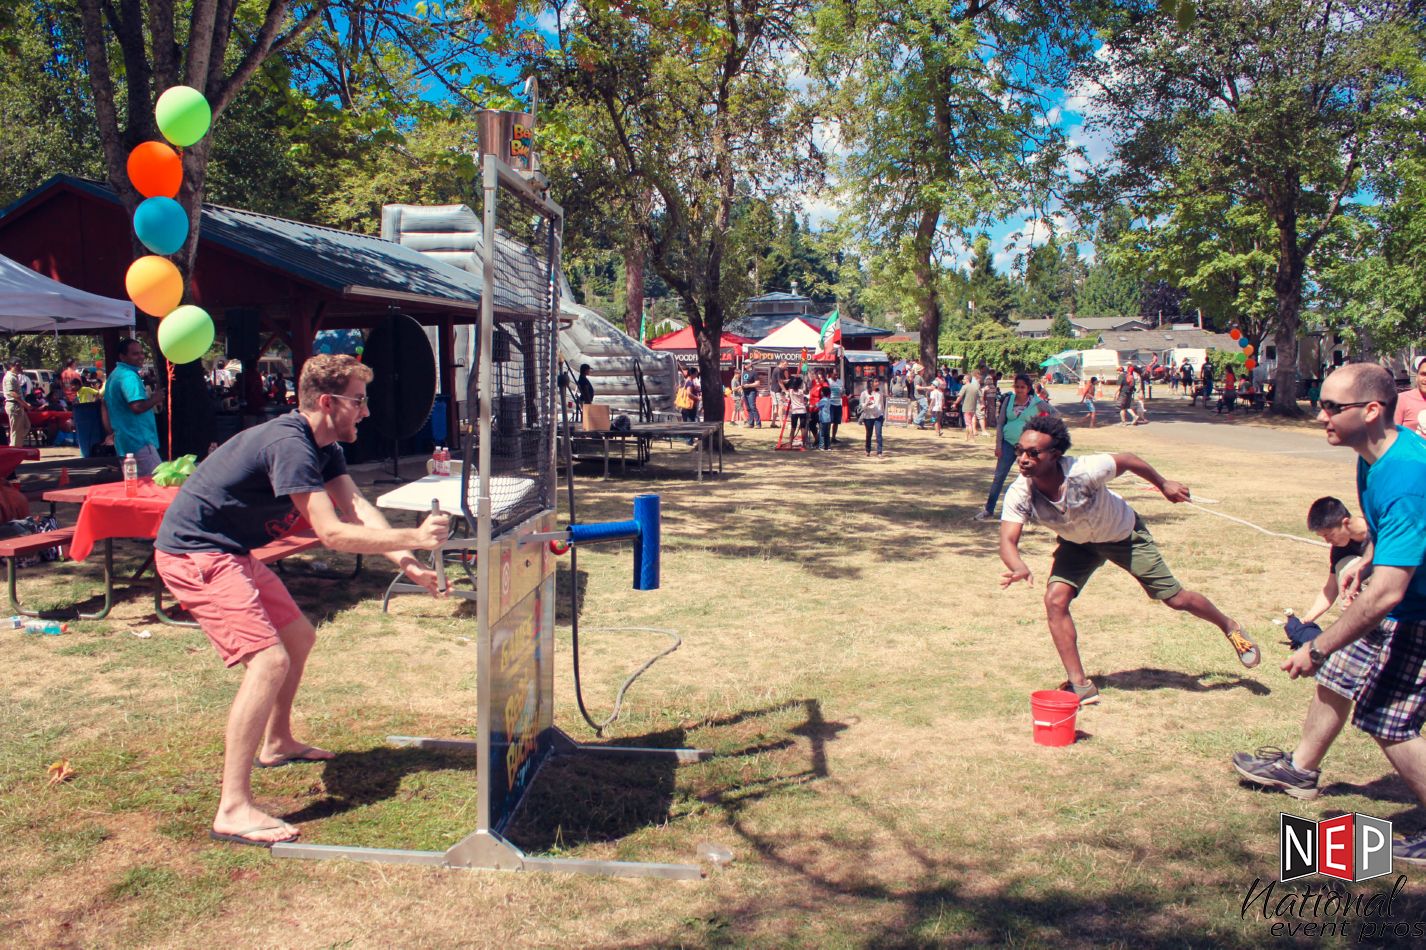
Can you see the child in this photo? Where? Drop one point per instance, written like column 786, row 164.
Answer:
column 937, row 402
column 797, row 408
column 1351, row 540
column 1087, row 392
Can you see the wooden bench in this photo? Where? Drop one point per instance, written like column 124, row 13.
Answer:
column 271, row 553
column 11, row 549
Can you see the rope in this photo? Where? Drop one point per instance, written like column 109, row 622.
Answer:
column 1242, row 521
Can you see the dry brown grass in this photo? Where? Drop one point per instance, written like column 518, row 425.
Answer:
column 848, row 655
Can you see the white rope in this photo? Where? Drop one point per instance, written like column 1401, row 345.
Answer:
column 1242, row 521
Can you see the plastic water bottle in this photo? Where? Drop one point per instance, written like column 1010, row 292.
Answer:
column 34, row 625
column 131, row 475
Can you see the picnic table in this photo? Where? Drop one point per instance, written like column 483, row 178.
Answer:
column 108, row 512
column 10, row 458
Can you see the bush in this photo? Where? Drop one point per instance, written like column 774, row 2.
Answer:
column 1017, row 355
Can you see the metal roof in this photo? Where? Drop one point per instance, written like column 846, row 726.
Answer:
column 351, row 265
column 778, row 296
column 865, row 356
column 1106, row 323
column 759, row 325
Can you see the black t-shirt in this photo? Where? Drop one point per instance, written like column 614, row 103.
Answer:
column 586, row 390
column 1350, row 549
column 238, row 500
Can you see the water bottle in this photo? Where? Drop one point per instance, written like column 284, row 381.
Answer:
column 131, row 475
column 34, row 625
column 443, row 463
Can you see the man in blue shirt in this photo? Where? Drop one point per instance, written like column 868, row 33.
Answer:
column 131, row 408
column 1374, row 657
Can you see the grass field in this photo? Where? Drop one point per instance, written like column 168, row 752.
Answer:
column 847, row 654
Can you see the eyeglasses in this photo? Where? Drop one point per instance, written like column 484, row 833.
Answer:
column 359, row 400
column 1332, row 407
column 1031, row 451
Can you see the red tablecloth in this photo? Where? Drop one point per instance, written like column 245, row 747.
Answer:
column 10, row 458
column 109, row 513
column 40, row 418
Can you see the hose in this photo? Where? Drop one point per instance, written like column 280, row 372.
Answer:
column 598, row 727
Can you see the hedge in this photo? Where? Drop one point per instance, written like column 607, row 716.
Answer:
column 1018, row 355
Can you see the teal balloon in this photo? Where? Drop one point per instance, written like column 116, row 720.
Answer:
column 185, row 334
column 1243, row 340
column 161, row 224
column 183, row 115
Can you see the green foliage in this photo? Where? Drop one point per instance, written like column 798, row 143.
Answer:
column 1007, row 354
column 1222, row 359
column 1061, row 327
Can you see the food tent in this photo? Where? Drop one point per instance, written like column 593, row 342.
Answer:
column 684, row 347
column 32, row 303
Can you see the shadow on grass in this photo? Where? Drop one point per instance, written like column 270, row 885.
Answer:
column 357, row 779
column 1146, row 678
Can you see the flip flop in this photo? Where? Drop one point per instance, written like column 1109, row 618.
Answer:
column 241, row 837
column 301, row 755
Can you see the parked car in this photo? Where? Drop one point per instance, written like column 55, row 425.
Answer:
column 42, row 378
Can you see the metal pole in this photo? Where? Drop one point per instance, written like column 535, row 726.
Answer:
column 484, row 574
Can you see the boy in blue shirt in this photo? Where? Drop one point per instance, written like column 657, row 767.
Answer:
column 1371, row 663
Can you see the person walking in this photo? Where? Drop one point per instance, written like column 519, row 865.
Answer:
column 1022, row 406
column 837, row 395
column 969, row 403
column 1370, row 664
column 249, row 492
column 1124, row 398
column 1185, row 375
column 1087, row 391
column 131, row 409
column 1093, row 524
column 936, row 403
column 873, row 406
column 777, row 385
column 749, row 382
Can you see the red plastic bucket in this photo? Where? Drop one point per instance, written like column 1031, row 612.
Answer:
column 1052, row 711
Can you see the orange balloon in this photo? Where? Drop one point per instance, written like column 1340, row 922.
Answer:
column 155, row 170
column 1235, row 333
column 154, row 285
column 1249, row 349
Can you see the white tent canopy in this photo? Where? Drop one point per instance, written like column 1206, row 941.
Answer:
column 32, row 303
column 793, row 335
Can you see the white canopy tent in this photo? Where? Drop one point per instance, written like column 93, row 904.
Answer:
column 792, row 335
column 32, row 303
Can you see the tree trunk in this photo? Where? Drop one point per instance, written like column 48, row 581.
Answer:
column 635, row 252
column 710, row 375
column 930, row 322
column 1287, row 286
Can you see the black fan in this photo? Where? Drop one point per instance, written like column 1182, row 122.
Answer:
column 403, row 391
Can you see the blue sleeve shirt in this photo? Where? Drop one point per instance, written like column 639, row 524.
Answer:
column 1393, row 495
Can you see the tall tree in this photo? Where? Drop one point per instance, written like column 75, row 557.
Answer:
column 689, row 102
column 944, row 107
column 1273, row 102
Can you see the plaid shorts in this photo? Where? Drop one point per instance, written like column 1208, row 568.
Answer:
column 1385, row 673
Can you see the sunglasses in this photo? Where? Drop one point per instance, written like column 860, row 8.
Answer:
column 1332, row 407
column 1034, row 453
column 359, row 400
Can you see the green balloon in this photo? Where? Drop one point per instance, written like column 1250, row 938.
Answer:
column 183, row 115
column 185, row 334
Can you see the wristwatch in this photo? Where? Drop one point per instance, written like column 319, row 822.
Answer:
column 1316, row 655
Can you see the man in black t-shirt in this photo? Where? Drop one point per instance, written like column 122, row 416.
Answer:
column 253, row 490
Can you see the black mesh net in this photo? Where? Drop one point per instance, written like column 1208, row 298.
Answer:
column 523, row 403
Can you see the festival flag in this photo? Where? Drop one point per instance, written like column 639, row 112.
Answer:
column 643, row 325
column 831, row 333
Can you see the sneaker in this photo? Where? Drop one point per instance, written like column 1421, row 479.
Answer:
column 1410, row 850
column 1246, row 649
column 1271, row 767
column 1088, row 693
column 984, row 515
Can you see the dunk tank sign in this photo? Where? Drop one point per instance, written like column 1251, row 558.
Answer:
column 520, row 706
column 520, row 709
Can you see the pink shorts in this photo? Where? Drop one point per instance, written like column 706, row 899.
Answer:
column 237, row 600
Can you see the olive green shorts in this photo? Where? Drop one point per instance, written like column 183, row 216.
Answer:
column 1074, row 564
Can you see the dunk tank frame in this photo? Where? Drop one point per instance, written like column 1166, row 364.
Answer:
column 508, row 493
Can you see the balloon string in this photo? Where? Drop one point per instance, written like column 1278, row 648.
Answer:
column 168, row 406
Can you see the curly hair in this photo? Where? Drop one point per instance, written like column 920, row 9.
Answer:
column 329, row 375
column 1054, row 427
